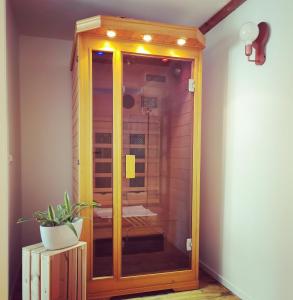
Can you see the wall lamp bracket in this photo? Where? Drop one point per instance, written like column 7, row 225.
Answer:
column 255, row 37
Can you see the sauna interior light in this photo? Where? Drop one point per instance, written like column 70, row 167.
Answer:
column 181, row 42
column 147, row 37
column 111, row 33
column 255, row 37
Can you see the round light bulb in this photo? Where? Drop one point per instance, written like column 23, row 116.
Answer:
column 147, row 37
column 111, row 33
column 181, row 42
column 249, row 32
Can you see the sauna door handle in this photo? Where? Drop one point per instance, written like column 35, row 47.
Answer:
column 130, row 166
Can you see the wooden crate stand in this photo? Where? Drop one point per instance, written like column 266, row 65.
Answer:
column 52, row 275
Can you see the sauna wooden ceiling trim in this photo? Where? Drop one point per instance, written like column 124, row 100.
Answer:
column 56, row 18
column 133, row 30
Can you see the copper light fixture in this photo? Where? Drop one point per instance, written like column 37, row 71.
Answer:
column 255, row 37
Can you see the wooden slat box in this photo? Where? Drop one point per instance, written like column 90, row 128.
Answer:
column 52, row 275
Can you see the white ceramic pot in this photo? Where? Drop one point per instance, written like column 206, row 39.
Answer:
column 62, row 236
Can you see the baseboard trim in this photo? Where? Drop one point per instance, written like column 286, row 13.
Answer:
column 238, row 292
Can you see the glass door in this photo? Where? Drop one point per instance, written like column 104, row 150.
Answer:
column 156, row 165
column 102, row 128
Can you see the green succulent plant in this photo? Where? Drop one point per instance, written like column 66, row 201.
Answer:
column 62, row 214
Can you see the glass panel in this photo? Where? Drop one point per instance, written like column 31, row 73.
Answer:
column 136, row 182
column 103, row 138
column 138, row 152
column 157, row 129
column 139, row 167
column 137, row 139
column 102, row 182
column 103, row 153
column 103, row 168
column 102, row 163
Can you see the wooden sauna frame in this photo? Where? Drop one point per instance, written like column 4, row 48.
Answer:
column 91, row 36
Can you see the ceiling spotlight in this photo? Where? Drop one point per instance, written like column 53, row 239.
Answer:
column 165, row 60
column 147, row 37
column 181, row 42
column 111, row 33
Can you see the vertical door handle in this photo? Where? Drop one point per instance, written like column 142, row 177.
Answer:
column 130, row 166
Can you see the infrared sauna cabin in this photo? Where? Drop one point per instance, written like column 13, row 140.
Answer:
column 136, row 150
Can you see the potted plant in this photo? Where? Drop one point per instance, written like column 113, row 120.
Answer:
column 60, row 226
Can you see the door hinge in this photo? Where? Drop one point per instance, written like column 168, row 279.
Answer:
column 189, row 244
column 191, row 85
column 78, row 163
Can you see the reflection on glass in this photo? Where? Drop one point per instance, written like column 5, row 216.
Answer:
column 157, row 130
column 102, row 163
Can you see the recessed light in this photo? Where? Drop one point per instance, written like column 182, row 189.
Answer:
column 165, row 60
column 111, row 33
column 147, row 37
column 181, row 42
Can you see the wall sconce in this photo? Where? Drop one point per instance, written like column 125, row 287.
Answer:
column 255, row 36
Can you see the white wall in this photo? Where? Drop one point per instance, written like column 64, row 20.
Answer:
column 247, row 164
column 4, row 211
column 45, row 96
column 14, row 149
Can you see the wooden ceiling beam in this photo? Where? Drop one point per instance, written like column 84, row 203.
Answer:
column 220, row 15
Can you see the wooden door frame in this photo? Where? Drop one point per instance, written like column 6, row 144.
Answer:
column 4, row 172
column 117, row 285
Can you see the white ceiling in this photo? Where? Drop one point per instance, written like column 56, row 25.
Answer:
column 56, row 18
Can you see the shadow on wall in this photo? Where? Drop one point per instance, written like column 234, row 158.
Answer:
column 213, row 187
